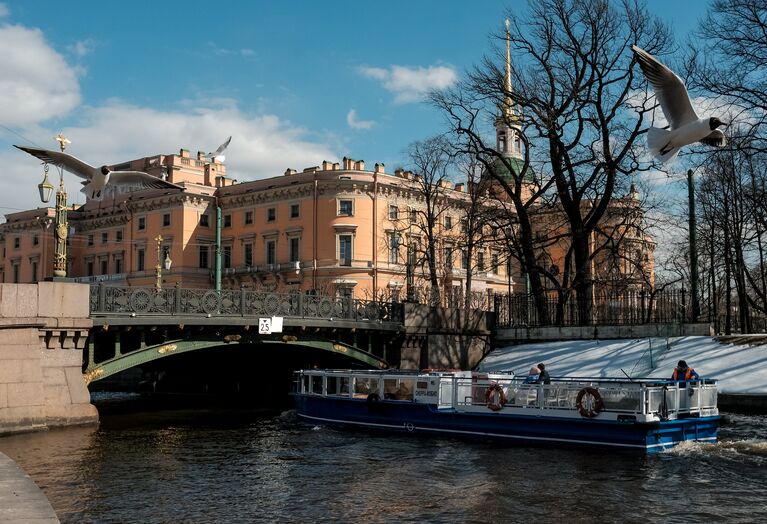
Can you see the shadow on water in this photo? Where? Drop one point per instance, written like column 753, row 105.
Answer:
column 229, row 464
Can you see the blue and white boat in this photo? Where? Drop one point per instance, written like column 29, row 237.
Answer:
column 643, row 414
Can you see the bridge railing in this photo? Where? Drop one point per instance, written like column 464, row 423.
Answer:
column 141, row 301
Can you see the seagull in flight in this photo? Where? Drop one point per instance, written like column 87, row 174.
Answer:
column 217, row 153
column 685, row 125
column 97, row 178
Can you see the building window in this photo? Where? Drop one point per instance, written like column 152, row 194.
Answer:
column 480, row 261
column 248, row 217
column 35, row 240
column 344, row 250
column 119, row 235
column 34, row 271
column 141, row 223
column 393, row 212
column 118, row 265
column 395, row 240
column 104, row 266
column 140, row 260
column 16, row 242
column 165, row 219
column 226, row 256
column 227, row 220
column 89, row 268
column 203, row 257
column 447, row 255
column 90, row 240
column 271, row 252
column 295, row 243
column 271, row 214
column 464, row 225
column 345, row 208
column 295, row 210
column 494, row 263
column 104, row 237
column 345, row 292
column 204, row 221
column 413, row 216
column 248, row 255
column 448, row 222
column 464, row 260
column 15, row 273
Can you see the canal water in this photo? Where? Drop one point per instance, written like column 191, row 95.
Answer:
column 214, row 465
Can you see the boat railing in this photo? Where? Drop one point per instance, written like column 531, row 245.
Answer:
column 665, row 398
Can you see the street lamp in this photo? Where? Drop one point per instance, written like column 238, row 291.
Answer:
column 60, row 220
column 165, row 263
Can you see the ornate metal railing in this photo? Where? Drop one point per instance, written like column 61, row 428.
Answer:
column 142, row 301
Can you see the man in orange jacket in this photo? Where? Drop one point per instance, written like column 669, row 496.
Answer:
column 683, row 373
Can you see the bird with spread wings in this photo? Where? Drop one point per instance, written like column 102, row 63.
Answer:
column 96, row 179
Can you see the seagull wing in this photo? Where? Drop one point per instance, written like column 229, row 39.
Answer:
column 138, row 178
column 715, row 138
column 220, row 148
column 63, row 160
column 669, row 89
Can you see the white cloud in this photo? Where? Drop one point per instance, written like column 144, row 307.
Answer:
column 351, row 119
column 247, row 52
column 37, row 84
column 411, row 84
column 82, row 47
column 262, row 145
column 4, row 11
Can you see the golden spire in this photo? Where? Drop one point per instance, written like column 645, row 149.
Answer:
column 508, row 111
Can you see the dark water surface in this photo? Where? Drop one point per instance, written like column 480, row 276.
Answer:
column 240, row 466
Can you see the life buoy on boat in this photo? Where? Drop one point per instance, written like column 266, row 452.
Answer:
column 589, row 402
column 495, row 398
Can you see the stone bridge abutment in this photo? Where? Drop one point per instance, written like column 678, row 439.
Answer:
column 43, row 330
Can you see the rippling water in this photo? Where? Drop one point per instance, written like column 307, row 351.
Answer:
column 236, row 466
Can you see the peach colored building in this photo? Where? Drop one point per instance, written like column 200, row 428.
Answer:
column 333, row 228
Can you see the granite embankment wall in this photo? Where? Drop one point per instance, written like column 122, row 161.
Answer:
column 43, row 329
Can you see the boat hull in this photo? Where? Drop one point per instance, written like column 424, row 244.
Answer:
column 427, row 419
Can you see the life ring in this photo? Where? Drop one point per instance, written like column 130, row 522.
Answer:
column 589, row 402
column 495, row 398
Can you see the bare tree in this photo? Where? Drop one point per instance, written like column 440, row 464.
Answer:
column 582, row 111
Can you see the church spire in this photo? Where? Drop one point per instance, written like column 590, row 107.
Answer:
column 507, row 122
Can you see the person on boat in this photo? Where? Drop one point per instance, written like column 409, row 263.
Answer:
column 532, row 375
column 683, row 373
column 544, row 377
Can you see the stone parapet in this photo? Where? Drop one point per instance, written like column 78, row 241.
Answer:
column 43, row 329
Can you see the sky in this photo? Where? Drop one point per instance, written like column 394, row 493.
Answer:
column 294, row 83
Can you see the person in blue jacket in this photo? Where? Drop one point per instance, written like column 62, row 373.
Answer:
column 532, row 375
column 683, row 373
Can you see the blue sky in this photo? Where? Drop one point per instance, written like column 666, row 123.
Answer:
column 295, row 83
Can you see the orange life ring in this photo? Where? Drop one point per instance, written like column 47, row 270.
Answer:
column 495, row 398
column 589, row 402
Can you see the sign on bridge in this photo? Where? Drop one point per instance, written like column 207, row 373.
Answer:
column 267, row 326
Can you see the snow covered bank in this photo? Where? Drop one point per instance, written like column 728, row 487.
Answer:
column 741, row 369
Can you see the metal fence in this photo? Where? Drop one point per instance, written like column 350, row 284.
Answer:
column 139, row 301
column 624, row 308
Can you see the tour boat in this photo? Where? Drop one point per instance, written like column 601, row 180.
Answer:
column 644, row 414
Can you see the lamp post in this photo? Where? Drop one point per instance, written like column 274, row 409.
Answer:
column 693, row 249
column 160, row 264
column 61, row 229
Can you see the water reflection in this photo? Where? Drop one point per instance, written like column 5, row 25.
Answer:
column 240, row 466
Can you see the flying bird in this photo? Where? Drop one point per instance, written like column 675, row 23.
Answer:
column 685, row 125
column 217, row 153
column 97, row 178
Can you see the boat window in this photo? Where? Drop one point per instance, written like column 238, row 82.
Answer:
column 334, row 386
column 317, row 385
column 306, row 384
column 344, row 385
column 365, row 386
column 398, row 389
column 423, row 385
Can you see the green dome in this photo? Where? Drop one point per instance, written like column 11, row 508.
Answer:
column 516, row 165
